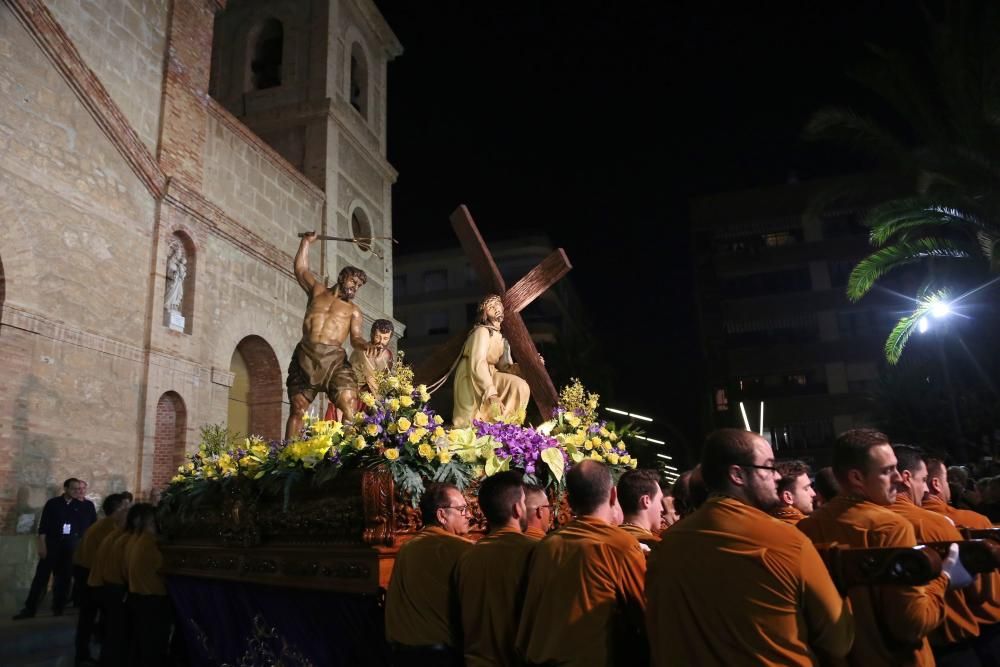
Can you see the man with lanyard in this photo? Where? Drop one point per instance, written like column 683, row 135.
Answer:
column 64, row 520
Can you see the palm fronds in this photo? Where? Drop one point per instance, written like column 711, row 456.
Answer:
column 905, row 251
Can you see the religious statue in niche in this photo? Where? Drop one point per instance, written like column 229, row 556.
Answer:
column 488, row 384
column 320, row 362
column 174, row 296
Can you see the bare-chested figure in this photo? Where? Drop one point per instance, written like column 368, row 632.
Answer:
column 319, row 362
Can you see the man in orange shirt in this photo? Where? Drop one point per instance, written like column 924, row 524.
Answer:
column 488, row 577
column 641, row 497
column 584, row 600
column 892, row 621
column 951, row 642
column 419, row 604
column 983, row 596
column 826, row 486
column 776, row 604
column 794, row 491
column 115, row 508
column 538, row 512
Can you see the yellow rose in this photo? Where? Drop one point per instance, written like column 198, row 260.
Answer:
column 424, row 396
column 177, row 478
column 372, row 429
column 426, row 451
column 393, row 383
column 368, row 399
column 596, row 456
column 444, row 456
column 406, row 388
column 392, row 453
column 422, row 388
column 439, row 432
column 394, row 404
column 613, row 437
column 188, row 467
column 633, row 463
column 438, row 419
column 595, row 441
column 359, row 442
column 403, row 424
column 588, row 445
column 415, row 436
column 391, row 429
column 420, row 419
column 405, row 401
column 182, row 469
column 604, row 433
column 573, row 420
column 612, row 458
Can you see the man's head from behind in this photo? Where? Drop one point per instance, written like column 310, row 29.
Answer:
column 641, row 498
column 590, row 491
column 795, row 487
column 501, row 499
column 443, row 505
column 865, row 465
column 116, row 506
column 937, row 479
column 912, row 472
column 740, row 464
column 825, row 485
column 538, row 508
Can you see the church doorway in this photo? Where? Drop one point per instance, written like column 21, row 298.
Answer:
column 256, row 392
column 169, row 438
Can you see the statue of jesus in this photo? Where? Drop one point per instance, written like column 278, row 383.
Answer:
column 319, row 362
column 488, row 385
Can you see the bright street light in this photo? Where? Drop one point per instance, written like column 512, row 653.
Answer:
column 941, row 309
column 923, row 325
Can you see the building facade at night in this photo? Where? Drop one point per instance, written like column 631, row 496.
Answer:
column 771, row 271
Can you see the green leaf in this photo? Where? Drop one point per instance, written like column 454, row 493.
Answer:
column 494, row 464
column 879, row 263
column 554, row 460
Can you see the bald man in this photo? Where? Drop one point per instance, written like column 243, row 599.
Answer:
column 892, row 621
column 539, row 512
column 489, row 577
column 794, row 491
column 730, row 585
column 641, row 499
column 951, row 642
column 584, row 601
column 984, row 595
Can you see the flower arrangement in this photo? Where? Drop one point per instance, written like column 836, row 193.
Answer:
column 398, row 429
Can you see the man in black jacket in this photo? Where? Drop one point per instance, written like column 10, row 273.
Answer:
column 64, row 520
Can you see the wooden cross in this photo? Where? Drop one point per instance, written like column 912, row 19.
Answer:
column 515, row 299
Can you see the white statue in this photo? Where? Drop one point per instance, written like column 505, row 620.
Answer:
column 176, row 272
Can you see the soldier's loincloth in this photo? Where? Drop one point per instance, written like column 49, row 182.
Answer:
column 316, row 367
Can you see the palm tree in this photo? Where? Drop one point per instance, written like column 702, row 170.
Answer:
column 949, row 100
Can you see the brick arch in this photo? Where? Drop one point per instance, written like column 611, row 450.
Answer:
column 265, row 395
column 169, row 440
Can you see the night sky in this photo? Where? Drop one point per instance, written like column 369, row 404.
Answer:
column 598, row 122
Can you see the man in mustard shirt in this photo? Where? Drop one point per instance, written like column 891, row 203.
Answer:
column 794, row 491
column 892, row 621
column 488, row 577
column 539, row 511
column 584, row 599
column 730, row 585
column 641, row 498
column 420, row 610
column 115, row 508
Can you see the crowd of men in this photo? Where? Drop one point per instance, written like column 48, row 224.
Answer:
column 113, row 564
column 725, row 569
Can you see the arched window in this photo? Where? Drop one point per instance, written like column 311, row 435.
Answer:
column 255, row 395
column 359, row 80
column 265, row 64
column 361, row 229
column 169, row 438
column 178, row 291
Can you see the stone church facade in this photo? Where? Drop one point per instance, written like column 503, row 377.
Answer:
column 134, row 129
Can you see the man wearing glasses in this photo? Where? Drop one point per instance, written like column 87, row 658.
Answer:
column 539, row 512
column 584, row 600
column 753, row 590
column 419, row 602
column 893, row 621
